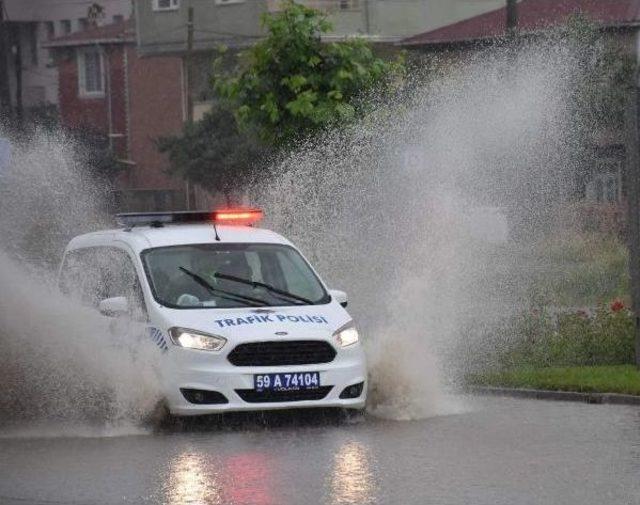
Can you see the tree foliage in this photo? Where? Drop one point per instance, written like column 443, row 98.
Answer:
column 292, row 83
column 287, row 86
column 213, row 152
column 607, row 71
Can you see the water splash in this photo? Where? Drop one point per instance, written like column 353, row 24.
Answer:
column 64, row 369
column 409, row 210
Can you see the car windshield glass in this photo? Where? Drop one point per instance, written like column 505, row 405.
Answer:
column 231, row 275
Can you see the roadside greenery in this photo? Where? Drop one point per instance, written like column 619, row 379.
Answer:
column 623, row 379
column 542, row 338
column 580, row 270
column 577, row 315
column 286, row 87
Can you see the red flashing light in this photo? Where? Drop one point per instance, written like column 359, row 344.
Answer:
column 240, row 216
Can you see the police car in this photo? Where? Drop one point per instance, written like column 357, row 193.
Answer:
column 239, row 317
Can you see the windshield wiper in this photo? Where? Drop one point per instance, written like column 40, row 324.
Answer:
column 228, row 295
column 268, row 287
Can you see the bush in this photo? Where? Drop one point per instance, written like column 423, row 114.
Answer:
column 605, row 337
column 582, row 269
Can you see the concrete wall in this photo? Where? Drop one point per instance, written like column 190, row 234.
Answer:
column 166, row 31
column 239, row 23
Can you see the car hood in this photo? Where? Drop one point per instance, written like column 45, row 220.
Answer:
column 241, row 324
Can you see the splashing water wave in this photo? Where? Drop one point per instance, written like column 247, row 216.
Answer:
column 393, row 209
column 409, row 210
column 64, row 369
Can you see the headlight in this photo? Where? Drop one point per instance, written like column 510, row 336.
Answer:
column 192, row 339
column 347, row 335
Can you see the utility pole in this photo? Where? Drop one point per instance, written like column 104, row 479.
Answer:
column 632, row 179
column 367, row 17
column 5, row 92
column 512, row 18
column 189, row 66
column 189, row 88
column 16, row 48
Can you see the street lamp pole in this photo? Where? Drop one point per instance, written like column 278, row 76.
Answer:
column 189, row 91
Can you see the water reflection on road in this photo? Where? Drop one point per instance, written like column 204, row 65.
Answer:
column 499, row 452
column 190, row 480
column 251, row 478
column 351, row 476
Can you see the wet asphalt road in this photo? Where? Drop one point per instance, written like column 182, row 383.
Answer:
column 500, row 451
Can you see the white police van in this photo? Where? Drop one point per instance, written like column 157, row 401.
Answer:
column 240, row 318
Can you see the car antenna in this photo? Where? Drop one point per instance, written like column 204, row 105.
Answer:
column 215, row 230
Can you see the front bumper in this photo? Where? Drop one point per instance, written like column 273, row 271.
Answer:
column 201, row 370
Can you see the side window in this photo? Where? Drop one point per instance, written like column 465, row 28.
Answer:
column 80, row 277
column 93, row 274
column 119, row 278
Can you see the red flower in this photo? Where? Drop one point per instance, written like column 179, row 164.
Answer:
column 617, row 305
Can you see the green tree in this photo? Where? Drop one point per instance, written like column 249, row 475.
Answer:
column 291, row 84
column 606, row 71
column 214, row 153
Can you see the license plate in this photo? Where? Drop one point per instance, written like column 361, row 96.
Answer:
column 286, row 381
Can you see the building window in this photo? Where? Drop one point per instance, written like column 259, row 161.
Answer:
column 83, row 24
column 227, row 2
column 348, row 5
column 65, row 26
column 90, row 73
column 51, row 29
column 605, row 185
column 118, row 18
column 165, row 5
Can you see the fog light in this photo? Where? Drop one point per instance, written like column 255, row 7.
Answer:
column 203, row 397
column 353, row 391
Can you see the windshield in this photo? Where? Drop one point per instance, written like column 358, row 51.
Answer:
column 231, row 275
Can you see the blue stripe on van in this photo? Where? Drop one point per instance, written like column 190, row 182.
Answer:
column 158, row 338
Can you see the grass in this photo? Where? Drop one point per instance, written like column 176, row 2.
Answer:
column 581, row 269
column 623, row 379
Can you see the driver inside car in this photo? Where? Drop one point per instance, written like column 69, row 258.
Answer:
column 207, row 265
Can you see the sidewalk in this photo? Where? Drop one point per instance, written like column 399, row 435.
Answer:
column 572, row 396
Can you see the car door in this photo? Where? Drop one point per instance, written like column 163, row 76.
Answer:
column 92, row 274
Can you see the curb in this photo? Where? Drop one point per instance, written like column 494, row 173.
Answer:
column 565, row 396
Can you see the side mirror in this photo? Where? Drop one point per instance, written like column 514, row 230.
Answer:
column 114, row 307
column 340, row 296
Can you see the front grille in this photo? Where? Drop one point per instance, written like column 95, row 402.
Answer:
column 253, row 396
column 292, row 352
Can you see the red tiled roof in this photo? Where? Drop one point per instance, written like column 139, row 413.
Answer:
column 532, row 15
column 115, row 33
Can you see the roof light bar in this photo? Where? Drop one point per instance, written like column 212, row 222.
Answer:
column 239, row 216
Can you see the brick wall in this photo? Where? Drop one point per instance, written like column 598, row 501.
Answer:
column 156, row 109
column 92, row 113
column 146, row 103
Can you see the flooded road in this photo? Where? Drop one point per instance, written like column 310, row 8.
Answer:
column 499, row 451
